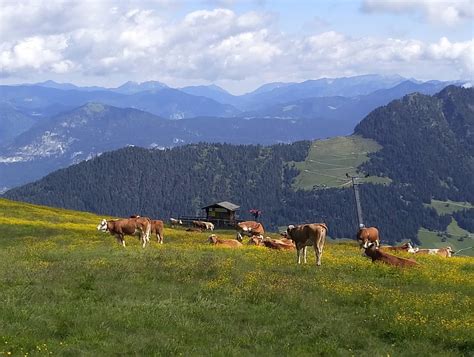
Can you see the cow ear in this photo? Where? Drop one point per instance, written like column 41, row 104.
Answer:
column 290, row 227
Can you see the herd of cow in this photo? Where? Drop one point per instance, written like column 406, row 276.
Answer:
column 296, row 237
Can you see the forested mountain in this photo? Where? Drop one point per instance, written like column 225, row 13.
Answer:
column 428, row 143
column 179, row 181
column 95, row 128
column 426, row 151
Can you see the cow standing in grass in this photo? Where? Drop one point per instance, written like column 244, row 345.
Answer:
column 305, row 235
column 367, row 235
column 137, row 226
column 157, row 228
column 249, row 229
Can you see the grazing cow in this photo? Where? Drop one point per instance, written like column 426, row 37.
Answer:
column 373, row 252
column 157, row 228
column 140, row 226
column 404, row 247
column 203, row 225
column 175, row 222
column 229, row 243
column 368, row 234
column 308, row 234
column 249, row 229
column 442, row 252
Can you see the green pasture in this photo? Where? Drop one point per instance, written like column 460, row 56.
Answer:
column 448, row 207
column 67, row 289
column 329, row 160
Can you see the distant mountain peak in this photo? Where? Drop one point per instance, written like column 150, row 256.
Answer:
column 132, row 87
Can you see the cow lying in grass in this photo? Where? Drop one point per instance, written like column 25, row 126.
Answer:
column 203, row 225
column 407, row 247
column 442, row 252
column 278, row 244
column 305, row 235
column 373, row 252
column 137, row 226
column 229, row 243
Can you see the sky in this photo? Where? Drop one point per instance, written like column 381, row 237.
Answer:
column 238, row 45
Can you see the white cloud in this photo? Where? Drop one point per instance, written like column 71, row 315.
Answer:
column 129, row 41
column 445, row 12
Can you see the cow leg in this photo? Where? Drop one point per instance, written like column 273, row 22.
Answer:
column 318, row 250
column 305, row 250
column 160, row 238
column 298, row 254
column 120, row 239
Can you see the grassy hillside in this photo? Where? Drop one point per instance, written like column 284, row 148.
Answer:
column 329, row 160
column 448, row 207
column 70, row 290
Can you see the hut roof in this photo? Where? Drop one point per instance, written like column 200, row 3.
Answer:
column 224, row 204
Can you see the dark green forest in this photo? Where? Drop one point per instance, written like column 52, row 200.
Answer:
column 427, row 152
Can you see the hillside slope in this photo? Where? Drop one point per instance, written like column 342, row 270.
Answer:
column 67, row 289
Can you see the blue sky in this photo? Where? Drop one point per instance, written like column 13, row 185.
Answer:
column 238, row 45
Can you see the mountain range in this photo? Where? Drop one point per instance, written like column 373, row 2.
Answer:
column 426, row 152
column 50, row 125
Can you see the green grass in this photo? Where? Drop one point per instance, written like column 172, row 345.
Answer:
column 69, row 290
column 430, row 239
column 448, row 207
column 329, row 160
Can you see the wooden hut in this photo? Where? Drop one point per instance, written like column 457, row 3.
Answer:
column 222, row 213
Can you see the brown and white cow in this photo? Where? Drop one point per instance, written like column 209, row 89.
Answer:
column 367, row 235
column 157, row 228
column 137, row 226
column 306, row 235
column 278, row 244
column 175, row 222
column 407, row 247
column 442, row 252
column 376, row 254
column 249, row 229
column 229, row 243
column 203, row 225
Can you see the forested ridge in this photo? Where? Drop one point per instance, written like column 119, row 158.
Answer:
column 179, row 181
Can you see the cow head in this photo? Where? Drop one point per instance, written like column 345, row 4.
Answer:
column 213, row 239
column 103, row 226
column 289, row 229
column 450, row 251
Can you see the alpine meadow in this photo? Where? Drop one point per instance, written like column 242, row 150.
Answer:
column 69, row 290
column 237, row 178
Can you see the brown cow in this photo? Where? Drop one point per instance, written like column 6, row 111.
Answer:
column 404, row 247
column 367, row 235
column 376, row 254
column 278, row 244
column 249, row 228
column 140, row 226
column 229, row 243
column 157, row 228
column 308, row 234
column 203, row 225
column 442, row 252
